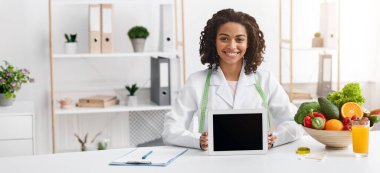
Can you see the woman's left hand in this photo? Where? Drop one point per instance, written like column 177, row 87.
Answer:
column 271, row 140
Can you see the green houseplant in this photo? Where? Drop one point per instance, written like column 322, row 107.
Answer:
column 138, row 35
column 71, row 38
column 132, row 98
column 71, row 44
column 11, row 79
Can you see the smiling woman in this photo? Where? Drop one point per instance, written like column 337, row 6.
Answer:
column 232, row 45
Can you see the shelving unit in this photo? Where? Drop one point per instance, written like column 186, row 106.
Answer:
column 115, row 55
column 122, row 55
column 112, row 109
column 299, row 68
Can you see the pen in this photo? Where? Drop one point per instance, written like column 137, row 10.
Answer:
column 147, row 154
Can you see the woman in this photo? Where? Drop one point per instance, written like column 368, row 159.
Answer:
column 232, row 45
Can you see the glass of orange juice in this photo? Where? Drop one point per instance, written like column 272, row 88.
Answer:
column 360, row 137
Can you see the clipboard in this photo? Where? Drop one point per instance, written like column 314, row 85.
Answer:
column 157, row 157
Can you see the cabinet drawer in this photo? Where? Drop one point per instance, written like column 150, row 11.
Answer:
column 16, row 148
column 16, row 127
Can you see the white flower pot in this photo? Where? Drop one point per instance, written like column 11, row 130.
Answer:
column 71, row 48
column 131, row 100
column 6, row 101
column 138, row 44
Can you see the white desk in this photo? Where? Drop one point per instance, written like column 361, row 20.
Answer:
column 281, row 159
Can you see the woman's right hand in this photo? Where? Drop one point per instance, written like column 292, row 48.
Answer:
column 203, row 141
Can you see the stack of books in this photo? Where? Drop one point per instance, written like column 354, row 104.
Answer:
column 98, row 101
column 299, row 94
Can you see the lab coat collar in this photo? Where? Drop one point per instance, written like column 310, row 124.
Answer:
column 224, row 91
column 218, row 78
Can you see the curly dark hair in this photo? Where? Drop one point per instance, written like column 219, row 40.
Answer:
column 256, row 43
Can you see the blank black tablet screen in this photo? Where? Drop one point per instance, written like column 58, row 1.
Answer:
column 234, row 132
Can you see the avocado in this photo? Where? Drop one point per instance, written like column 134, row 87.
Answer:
column 328, row 108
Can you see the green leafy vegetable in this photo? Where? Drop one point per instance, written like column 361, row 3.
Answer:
column 350, row 93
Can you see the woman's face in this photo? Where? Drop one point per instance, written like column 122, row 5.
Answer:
column 231, row 43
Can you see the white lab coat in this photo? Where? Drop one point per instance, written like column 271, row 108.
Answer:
column 189, row 100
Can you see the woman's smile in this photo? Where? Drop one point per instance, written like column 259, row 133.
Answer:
column 231, row 54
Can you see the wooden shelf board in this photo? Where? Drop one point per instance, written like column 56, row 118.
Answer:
column 85, row 2
column 114, row 55
column 112, row 109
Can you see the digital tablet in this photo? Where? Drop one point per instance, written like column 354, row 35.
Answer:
column 237, row 132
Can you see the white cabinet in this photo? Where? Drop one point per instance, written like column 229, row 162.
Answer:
column 85, row 74
column 17, row 129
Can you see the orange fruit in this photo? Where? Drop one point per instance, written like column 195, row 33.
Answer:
column 334, row 124
column 350, row 109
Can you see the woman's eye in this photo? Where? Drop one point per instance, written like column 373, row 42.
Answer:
column 239, row 40
column 223, row 38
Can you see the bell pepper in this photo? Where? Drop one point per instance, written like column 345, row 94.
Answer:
column 308, row 121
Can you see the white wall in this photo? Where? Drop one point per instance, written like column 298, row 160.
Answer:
column 24, row 34
column 359, row 39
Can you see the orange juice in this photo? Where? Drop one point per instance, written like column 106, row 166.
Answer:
column 360, row 138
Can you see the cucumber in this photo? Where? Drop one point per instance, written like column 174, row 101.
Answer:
column 374, row 119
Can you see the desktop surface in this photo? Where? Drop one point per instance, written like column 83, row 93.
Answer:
column 279, row 159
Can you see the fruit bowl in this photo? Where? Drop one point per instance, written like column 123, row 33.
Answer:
column 332, row 139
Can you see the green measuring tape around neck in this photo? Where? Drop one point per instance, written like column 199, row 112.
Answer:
column 205, row 100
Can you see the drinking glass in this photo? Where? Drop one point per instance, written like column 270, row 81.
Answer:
column 360, row 137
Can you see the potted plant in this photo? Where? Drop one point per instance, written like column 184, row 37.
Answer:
column 83, row 142
column 317, row 40
column 71, row 44
column 131, row 98
column 11, row 79
column 138, row 35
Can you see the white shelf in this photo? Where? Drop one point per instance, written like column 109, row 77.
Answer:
column 133, row 2
column 115, row 55
column 309, row 49
column 112, row 109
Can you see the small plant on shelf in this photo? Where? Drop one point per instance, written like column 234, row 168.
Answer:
column 138, row 32
column 131, row 99
column 83, row 141
column 138, row 35
column 71, row 44
column 71, row 38
column 132, row 89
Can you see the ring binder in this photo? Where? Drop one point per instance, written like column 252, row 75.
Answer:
column 94, row 22
column 107, row 36
column 160, row 80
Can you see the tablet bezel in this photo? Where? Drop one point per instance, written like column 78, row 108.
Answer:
column 237, row 111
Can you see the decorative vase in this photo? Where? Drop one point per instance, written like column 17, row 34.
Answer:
column 131, row 100
column 83, row 147
column 71, row 48
column 317, row 42
column 4, row 101
column 138, row 44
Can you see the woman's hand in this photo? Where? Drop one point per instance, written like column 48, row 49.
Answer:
column 271, row 140
column 203, row 141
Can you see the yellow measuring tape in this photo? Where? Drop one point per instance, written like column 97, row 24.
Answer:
column 303, row 150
